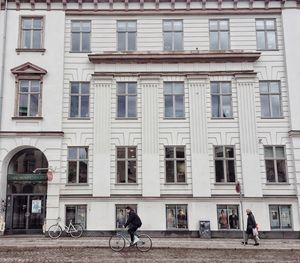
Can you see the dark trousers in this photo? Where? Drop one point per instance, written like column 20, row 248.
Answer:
column 131, row 231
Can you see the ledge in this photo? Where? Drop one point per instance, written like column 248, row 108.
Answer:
column 294, row 133
column 41, row 50
column 173, row 57
column 31, row 133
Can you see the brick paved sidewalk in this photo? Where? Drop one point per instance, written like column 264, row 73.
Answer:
column 92, row 242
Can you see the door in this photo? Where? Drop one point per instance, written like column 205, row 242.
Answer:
column 20, row 212
column 36, row 212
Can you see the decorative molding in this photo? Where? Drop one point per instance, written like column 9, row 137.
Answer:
column 31, row 133
column 28, row 69
column 294, row 133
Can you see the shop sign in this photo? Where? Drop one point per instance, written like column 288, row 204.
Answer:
column 26, row 177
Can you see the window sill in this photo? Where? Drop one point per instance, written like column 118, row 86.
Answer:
column 122, row 119
column 224, row 183
column 279, row 183
column 282, row 229
column 41, row 50
column 276, row 49
column 272, row 118
column 126, row 184
column 84, row 52
column 26, row 118
column 77, row 184
column 176, row 184
column 222, row 118
column 177, row 229
column 174, row 119
column 79, row 119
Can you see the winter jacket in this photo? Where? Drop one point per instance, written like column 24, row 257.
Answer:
column 133, row 219
column 251, row 223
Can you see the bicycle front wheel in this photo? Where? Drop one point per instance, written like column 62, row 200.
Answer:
column 117, row 243
column 145, row 243
column 76, row 230
column 54, row 231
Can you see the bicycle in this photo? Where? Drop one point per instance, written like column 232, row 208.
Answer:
column 55, row 231
column 118, row 241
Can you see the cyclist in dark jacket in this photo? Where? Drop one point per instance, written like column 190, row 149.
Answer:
column 133, row 222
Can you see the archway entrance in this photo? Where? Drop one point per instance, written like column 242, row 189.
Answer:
column 26, row 193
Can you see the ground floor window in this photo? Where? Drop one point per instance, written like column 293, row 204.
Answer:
column 76, row 213
column 228, row 216
column 176, row 216
column 280, row 216
column 121, row 215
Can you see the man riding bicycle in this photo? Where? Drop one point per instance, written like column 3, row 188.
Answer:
column 134, row 222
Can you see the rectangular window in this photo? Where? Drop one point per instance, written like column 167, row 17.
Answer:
column 221, row 99
column 76, row 214
column 219, row 34
column 126, row 99
column 126, row 164
column 31, row 32
column 29, row 97
column 80, row 100
column 280, row 217
column 174, row 99
column 176, row 216
column 121, row 215
column 224, row 164
column 270, row 99
column 275, row 161
column 228, row 216
column 81, row 36
column 266, row 36
column 175, row 164
column 77, row 165
column 173, row 35
column 126, row 33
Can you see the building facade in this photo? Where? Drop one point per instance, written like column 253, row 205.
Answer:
column 160, row 105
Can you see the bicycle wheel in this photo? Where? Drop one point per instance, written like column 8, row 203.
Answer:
column 76, row 230
column 145, row 243
column 117, row 243
column 54, row 231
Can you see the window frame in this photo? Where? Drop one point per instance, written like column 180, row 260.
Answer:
column 174, row 160
column 279, row 206
column 174, row 100
column 229, row 207
column 126, row 95
column 225, row 159
column 265, row 30
column 80, row 43
column 76, row 215
column 172, row 31
column 80, row 94
column 126, row 36
column 77, row 160
column 123, row 206
column 126, row 159
column 219, row 35
column 177, row 207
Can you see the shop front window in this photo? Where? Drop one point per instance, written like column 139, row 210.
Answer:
column 176, row 216
column 121, row 214
column 280, row 216
column 76, row 214
column 228, row 216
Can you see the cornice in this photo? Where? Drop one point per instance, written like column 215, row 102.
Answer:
column 173, row 57
column 31, row 133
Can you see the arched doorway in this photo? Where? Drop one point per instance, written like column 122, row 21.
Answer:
column 26, row 192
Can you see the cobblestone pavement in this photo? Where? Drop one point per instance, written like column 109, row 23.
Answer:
column 102, row 255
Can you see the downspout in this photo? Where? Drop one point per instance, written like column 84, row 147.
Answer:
column 3, row 62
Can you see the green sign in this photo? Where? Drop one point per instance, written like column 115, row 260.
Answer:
column 26, row 177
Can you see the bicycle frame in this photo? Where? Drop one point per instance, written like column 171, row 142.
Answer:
column 64, row 227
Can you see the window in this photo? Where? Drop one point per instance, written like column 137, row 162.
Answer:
column 275, row 162
column 174, row 99
column 224, row 164
column 280, row 216
column 121, row 215
column 31, row 33
column 221, row 99
column 126, row 99
column 175, row 164
column 76, row 214
column 29, row 96
column 266, row 37
column 126, row 31
column 219, row 34
column 173, row 35
column 126, row 164
column 176, row 216
column 79, row 99
column 270, row 99
column 80, row 36
column 228, row 216
column 77, row 164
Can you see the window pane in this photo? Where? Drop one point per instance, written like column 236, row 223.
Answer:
column 121, row 152
column 219, row 151
column 269, row 152
column 131, row 152
column 168, row 88
column 260, row 38
column 222, row 217
column 131, row 88
column 276, row 109
column 263, row 86
column 270, row 171
column 281, row 171
column 271, row 40
column 170, row 172
column 180, row 171
column 177, row 25
column 75, row 87
column 181, row 217
column 229, row 152
column 131, row 171
column 75, row 41
column 121, row 172
column 270, row 24
column 223, row 25
column 279, row 152
column 178, row 88
column 83, row 153
column 285, row 217
column 179, row 152
column 260, row 24
column 83, row 171
column 84, row 106
column 265, row 106
column 169, row 152
column 121, row 88
column 225, row 88
column 226, row 107
column 72, row 172
column 74, row 106
column 121, row 26
column 85, row 88
column 168, row 106
column 168, row 25
column 171, row 220
column 81, row 216
column 131, row 26
column 178, row 42
column 179, row 107
column 230, row 171
column 34, row 104
column 219, row 171
column 26, row 39
column 274, row 217
column 35, row 86
column 224, row 40
column 76, row 26
column 132, row 106
column 168, row 41
column 213, row 25
column 121, row 217
column 214, row 40
column 274, row 87
column 27, row 23
column 23, row 108
column 24, row 85
column 85, row 42
column 86, row 26
column 233, row 212
column 121, row 41
column 37, row 39
column 215, row 101
column 131, row 41
column 72, row 153
column 214, row 86
column 70, row 214
column 121, row 106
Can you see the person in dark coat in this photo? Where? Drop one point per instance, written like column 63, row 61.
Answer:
column 251, row 224
column 133, row 222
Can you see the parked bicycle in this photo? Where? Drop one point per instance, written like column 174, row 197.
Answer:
column 121, row 240
column 55, row 231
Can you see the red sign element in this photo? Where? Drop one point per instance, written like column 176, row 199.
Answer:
column 50, row 175
column 238, row 187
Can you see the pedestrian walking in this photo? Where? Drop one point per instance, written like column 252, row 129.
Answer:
column 251, row 229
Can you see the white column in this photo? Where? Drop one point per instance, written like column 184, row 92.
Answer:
column 199, row 143
column 252, row 186
column 150, row 143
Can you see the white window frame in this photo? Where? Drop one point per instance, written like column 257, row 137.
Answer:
column 225, row 159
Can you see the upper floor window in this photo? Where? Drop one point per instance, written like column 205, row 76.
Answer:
column 280, row 216
column 275, row 162
column 79, row 99
column 266, row 36
column 126, row 164
column 270, row 98
column 77, row 164
column 173, row 35
column 221, row 99
column 174, row 99
column 126, row 99
column 224, row 164
column 81, row 36
column 31, row 33
column 126, row 31
column 175, row 164
column 219, row 34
